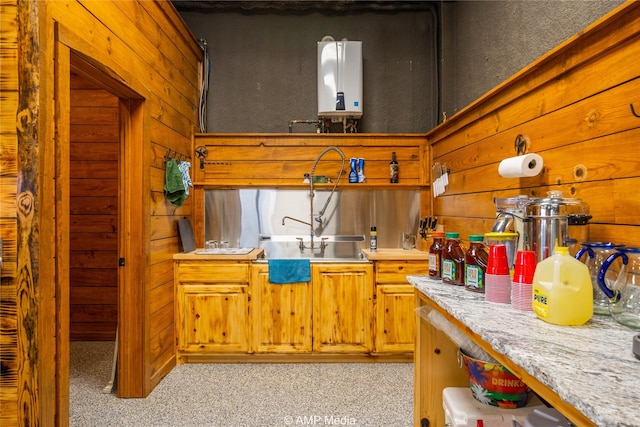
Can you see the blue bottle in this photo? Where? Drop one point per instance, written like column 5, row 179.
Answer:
column 353, row 175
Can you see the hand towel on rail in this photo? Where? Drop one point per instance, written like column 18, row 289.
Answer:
column 283, row 271
column 173, row 185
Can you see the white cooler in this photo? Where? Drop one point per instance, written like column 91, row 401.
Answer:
column 462, row 410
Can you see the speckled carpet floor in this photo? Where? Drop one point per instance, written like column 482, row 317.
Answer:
column 237, row 395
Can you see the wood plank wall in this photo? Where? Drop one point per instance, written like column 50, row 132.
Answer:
column 272, row 160
column 148, row 47
column 282, row 160
column 573, row 105
column 153, row 62
column 93, row 229
column 8, row 213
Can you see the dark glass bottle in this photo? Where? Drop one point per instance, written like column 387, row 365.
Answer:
column 394, row 169
column 453, row 260
column 435, row 255
column 475, row 264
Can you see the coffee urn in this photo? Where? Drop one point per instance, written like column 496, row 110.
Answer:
column 547, row 223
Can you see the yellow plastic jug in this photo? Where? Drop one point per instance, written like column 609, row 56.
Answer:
column 562, row 291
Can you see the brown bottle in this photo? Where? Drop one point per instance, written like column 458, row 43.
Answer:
column 453, row 260
column 394, row 169
column 475, row 264
column 435, row 255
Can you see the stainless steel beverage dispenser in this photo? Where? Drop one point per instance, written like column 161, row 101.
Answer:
column 547, row 220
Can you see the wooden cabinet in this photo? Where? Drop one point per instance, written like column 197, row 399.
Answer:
column 342, row 308
column 226, row 309
column 281, row 314
column 394, row 305
column 212, row 314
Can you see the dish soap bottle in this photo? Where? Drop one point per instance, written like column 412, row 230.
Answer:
column 394, row 169
column 562, row 290
column 373, row 239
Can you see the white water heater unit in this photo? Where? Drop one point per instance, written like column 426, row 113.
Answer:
column 339, row 79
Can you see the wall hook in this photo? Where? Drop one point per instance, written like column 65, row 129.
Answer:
column 202, row 153
column 633, row 111
column 520, row 145
column 171, row 154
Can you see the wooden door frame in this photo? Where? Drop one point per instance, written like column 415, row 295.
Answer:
column 131, row 210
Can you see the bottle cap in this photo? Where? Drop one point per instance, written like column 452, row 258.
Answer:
column 452, row 235
column 476, row 237
column 437, row 234
column 497, row 262
column 525, row 267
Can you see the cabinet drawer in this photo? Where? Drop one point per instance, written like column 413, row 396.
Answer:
column 397, row 271
column 208, row 271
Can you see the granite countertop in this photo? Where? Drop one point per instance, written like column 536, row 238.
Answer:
column 591, row 367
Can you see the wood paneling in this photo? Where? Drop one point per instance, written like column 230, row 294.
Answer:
column 573, row 105
column 94, row 228
column 284, row 159
column 9, row 357
column 147, row 63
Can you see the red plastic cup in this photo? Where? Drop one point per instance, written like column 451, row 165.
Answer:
column 497, row 262
column 526, row 263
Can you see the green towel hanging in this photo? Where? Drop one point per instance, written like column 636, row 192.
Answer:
column 173, row 184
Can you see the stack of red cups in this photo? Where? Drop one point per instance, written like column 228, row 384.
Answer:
column 522, row 282
column 497, row 278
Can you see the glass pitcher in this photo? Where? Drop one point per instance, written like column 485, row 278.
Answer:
column 624, row 298
column 597, row 253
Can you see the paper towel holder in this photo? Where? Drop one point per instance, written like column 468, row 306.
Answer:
column 521, row 144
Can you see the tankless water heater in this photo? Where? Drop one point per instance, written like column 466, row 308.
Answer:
column 340, row 79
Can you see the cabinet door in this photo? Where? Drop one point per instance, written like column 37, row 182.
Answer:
column 213, row 318
column 342, row 308
column 395, row 319
column 281, row 314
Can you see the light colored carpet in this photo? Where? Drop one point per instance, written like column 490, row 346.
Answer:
column 237, row 395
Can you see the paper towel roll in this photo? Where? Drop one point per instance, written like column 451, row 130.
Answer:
column 521, row 166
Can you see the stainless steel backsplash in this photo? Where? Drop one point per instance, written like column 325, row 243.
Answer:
column 240, row 216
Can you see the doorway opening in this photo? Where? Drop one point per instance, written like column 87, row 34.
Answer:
column 94, row 145
column 103, row 182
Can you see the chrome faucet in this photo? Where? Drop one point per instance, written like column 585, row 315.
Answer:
column 318, row 218
column 296, row 220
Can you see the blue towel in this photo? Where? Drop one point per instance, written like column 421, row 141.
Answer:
column 282, row 271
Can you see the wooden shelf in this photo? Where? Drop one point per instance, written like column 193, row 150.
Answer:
column 282, row 160
column 347, row 187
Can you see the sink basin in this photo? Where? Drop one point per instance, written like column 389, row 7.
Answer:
column 339, row 248
column 315, row 260
column 306, row 239
column 224, row 251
